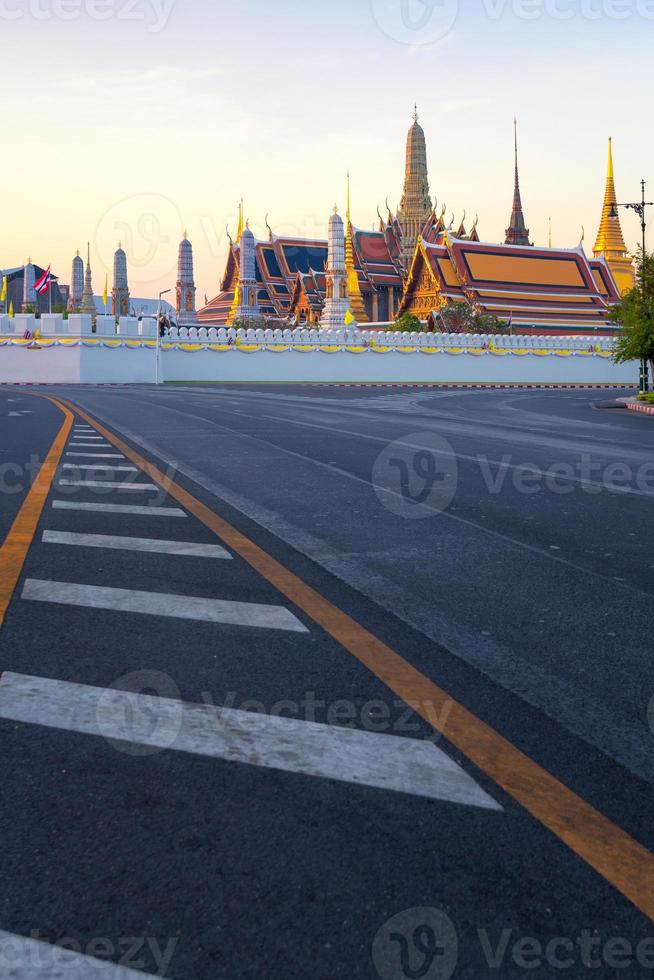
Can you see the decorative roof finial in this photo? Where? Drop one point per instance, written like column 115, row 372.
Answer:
column 415, row 112
column 336, row 209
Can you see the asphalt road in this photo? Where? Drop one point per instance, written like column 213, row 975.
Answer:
column 499, row 542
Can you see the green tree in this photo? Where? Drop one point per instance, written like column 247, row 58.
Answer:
column 409, row 323
column 465, row 318
column 634, row 315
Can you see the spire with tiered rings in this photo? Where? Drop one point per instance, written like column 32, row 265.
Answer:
column 517, row 233
column 416, row 206
column 610, row 244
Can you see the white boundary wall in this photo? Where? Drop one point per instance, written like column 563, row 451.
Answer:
column 123, row 353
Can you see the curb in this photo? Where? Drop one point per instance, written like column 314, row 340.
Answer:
column 637, row 407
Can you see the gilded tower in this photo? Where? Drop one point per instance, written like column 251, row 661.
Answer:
column 416, row 206
column 517, row 233
column 357, row 306
column 610, row 244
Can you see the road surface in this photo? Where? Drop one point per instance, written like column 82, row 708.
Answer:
column 313, row 682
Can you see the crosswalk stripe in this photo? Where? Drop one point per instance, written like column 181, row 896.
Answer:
column 31, row 959
column 103, row 467
column 387, row 762
column 118, row 509
column 96, row 455
column 222, row 611
column 115, row 543
column 106, row 485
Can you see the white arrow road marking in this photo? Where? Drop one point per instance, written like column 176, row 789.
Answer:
column 387, row 762
column 29, row 959
column 186, row 548
column 222, row 611
column 118, row 509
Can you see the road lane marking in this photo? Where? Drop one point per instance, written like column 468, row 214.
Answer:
column 388, row 762
column 89, row 445
column 30, row 959
column 16, row 545
column 107, row 485
column 223, row 611
column 119, row 509
column 604, row 846
column 103, row 467
column 96, row 455
column 115, row 543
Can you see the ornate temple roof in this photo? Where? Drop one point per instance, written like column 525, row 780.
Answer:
column 551, row 289
column 285, row 264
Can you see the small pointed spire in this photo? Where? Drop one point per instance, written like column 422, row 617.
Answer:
column 550, row 232
column 336, row 209
column 517, row 233
column 415, row 112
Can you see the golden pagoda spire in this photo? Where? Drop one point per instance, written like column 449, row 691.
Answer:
column 610, row 244
column 609, row 237
column 240, row 221
column 357, row 305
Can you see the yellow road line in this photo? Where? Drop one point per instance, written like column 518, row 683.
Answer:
column 611, row 852
column 16, row 545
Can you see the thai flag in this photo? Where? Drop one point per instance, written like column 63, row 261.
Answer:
column 43, row 283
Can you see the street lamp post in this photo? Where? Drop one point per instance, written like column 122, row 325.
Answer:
column 640, row 207
column 157, row 346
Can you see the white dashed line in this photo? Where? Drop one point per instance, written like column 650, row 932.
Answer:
column 222, row 611
column 388, row 762
column 118, row 509
column 114, row 543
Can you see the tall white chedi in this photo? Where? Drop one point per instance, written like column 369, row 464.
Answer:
column 29, row 292
column 337, row 302
column 186, row 312
column 248, row 304
column 76, row 283
column 120, row 291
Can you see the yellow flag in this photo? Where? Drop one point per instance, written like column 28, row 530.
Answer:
column 3, row 294
column 11, row 308
column 106, row 290
column 349, row 319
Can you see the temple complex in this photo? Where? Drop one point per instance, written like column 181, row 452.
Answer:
column 417, row 263
column 120, row 292
column 185, row 290
column 610, row 244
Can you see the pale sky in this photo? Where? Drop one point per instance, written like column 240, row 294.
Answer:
column 157, row 117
